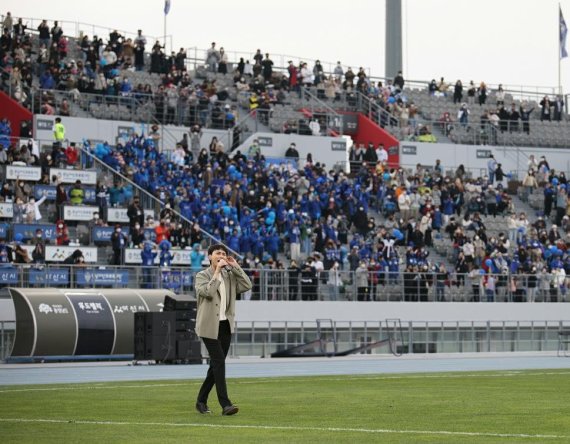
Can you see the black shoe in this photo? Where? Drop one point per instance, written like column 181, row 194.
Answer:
column 230, row 410
column 202, row 408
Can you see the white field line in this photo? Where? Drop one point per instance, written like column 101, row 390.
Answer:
column 348, row 378
column 283, row 428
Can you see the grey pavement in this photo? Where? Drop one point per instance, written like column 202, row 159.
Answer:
column 65, row 373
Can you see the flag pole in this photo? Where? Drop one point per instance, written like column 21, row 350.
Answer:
column 559, row 50
column 164, row 38
column 166, row 11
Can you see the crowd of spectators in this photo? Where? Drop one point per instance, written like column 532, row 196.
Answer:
column 99, row 67
column 100, row 64
column 322, row 220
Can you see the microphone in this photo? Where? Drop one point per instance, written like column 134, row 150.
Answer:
column 227, row 268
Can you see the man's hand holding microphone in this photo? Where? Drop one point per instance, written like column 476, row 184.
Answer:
column 226, row 265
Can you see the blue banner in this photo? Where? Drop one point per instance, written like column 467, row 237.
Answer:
column 102, row 277
column 103, row 234
column 175, row 280
column 51, row 276
column 150, row 234
column 29, row 231
column 50, row 192
column 280, row 161
column 4, row 230
column 9, row 276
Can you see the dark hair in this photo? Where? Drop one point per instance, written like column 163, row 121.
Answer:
column 215, row 247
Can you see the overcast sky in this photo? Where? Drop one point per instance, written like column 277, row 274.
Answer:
column 514, row 42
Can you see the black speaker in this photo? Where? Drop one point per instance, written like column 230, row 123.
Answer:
column 185, row 315
column 171, row 304
column 189, row 351
column 187, row 336
column 161, row 348
column 161, row 337
column 155, row 323
column 155, row 336
column 185, row 325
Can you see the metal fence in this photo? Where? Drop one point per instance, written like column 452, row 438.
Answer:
column 305, row 285
column 261, row 338
column 264, row 338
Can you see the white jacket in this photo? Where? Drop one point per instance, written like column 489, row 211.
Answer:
column 35, row 208
column 404, row 202
column 307, row 75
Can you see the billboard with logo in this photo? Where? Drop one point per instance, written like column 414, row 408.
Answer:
column 73, row 322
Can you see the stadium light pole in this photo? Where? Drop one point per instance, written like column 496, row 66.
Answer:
column 393, row 51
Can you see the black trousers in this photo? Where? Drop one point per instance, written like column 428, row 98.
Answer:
column 218, row 350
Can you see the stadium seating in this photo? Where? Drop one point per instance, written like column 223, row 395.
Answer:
column 230, row 200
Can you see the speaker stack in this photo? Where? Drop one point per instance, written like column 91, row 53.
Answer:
column 168, row 336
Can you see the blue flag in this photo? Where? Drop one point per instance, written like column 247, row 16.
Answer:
column 167, row 6
column 563, row 32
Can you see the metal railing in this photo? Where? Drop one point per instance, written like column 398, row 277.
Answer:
column 261, row 338
column 76, row 30
column 149, row 200
column 197, row 57
column 519, row 92
column 292, row 116
column 292, row 285
column 376, row 113
column 135, row 107
column 108, row 176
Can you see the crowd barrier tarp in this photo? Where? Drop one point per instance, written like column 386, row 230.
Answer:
column 77, row 322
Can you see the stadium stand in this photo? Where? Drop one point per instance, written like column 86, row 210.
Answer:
column 382, row 232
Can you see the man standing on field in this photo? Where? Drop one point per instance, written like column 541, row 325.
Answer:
column 216, row 289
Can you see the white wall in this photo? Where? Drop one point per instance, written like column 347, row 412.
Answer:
column 452, row 155
column 248, row 311
column 327, row 150
column 78, row 128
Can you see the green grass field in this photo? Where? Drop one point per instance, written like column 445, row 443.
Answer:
column 487, row 407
